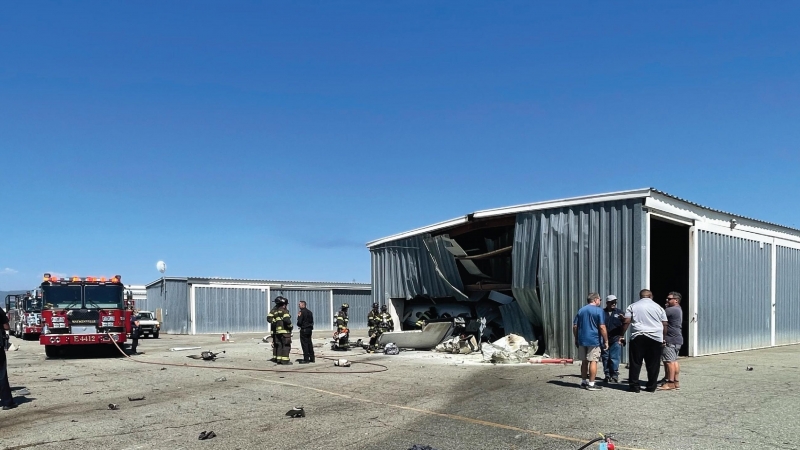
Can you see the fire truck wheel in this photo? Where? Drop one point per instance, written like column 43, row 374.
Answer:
column 155, row 335
column 51, row 351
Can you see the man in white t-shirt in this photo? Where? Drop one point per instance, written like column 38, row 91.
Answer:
column 648, row 323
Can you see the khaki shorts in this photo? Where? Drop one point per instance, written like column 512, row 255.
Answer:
column 588, row 353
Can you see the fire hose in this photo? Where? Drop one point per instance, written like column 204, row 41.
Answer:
column 378, row 367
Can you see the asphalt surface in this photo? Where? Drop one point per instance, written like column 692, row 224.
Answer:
column 443, row 401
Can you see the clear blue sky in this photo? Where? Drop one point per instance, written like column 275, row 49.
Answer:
column 268, row 140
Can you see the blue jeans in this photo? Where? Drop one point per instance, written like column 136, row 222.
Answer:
column 611, row 358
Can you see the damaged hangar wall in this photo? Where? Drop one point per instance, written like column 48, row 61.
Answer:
column 404, row 269
column 596, row 247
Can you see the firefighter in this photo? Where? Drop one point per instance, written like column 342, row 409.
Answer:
column 385, row 322
column 340, row 321
column 425, row 317
column 282, row 327
column 270, row 321
column 373, row 319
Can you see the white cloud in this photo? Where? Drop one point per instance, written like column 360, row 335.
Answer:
column 8, row 271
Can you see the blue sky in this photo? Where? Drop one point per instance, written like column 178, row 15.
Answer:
column 269, row 140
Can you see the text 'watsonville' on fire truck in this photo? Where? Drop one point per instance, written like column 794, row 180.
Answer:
column 83, row 311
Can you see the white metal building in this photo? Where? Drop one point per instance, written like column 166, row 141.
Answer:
column 198, row 305
column 740, row 277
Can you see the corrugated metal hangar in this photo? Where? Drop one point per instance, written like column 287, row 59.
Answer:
column 197, row 305
column 528, row 268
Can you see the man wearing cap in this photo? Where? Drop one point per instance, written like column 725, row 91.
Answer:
column 611, row 356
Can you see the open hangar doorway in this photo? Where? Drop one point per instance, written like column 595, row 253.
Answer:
column 669, row 266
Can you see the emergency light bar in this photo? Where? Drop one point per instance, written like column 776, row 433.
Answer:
column 116, row 279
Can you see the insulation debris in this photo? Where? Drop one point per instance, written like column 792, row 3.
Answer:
column 511, row 349
column 463, row 345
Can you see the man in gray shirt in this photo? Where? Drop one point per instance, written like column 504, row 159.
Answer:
column 673, row 340
column 648, row 323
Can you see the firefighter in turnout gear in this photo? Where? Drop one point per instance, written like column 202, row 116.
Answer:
column 424, row 317
column 273, row 327
column 341, row 335
column 373, row 318
column 385, row 323
column 282, row 329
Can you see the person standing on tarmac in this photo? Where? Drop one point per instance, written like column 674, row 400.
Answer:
column 373, row 319
column 6, row 399
column 305, row 322
column 273, row 327
column 135, row 330
column 385, row 322
column 282, row 324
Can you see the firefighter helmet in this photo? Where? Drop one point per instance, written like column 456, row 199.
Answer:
column 345, row 306
column 281, row 301
column 384, row 308
column 375, row 306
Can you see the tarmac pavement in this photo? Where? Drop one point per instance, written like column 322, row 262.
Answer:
column 445, row 401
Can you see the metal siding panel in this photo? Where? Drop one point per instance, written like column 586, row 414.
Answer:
column 567, row 267
column 787, row 296
column 230, row 309
column 404, row 269
column 360, row 305
column 176, row 308
column 734, row 304
column 318, row 301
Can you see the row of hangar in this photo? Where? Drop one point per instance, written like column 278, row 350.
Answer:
column 527, row 269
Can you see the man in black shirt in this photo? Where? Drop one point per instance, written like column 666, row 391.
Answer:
column 611, row 356
column 6, row 400
column 305, row 322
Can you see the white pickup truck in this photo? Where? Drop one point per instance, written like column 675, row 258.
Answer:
column 148, row 324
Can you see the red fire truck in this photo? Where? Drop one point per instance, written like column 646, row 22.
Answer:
column 25, row 315
column 83, row 311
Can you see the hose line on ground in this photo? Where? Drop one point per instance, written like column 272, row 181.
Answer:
column 378, row 367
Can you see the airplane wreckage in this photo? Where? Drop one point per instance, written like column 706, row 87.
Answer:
column 479, row 305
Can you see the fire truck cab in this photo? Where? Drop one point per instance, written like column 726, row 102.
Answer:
column 83, row 311
column 25, row 315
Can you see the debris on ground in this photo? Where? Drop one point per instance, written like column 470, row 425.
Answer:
column 749, row 368
column 12, row 348
column 463, row 345
column 391, row 349
column 135, row 399
column 60, row 379
column 113, row 406
column 511, row 349
column 206, row 355
column 544, row 360
column 421, row 447
column 220, row 379
column 296, row 412
column 180, row 349
column 341, row 362
column 23, row 391
column 206, row 435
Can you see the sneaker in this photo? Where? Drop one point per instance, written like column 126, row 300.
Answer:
column 584, row 383
column 9, row 407
column 615, row 379
column 592, row 387
column 607, row 379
